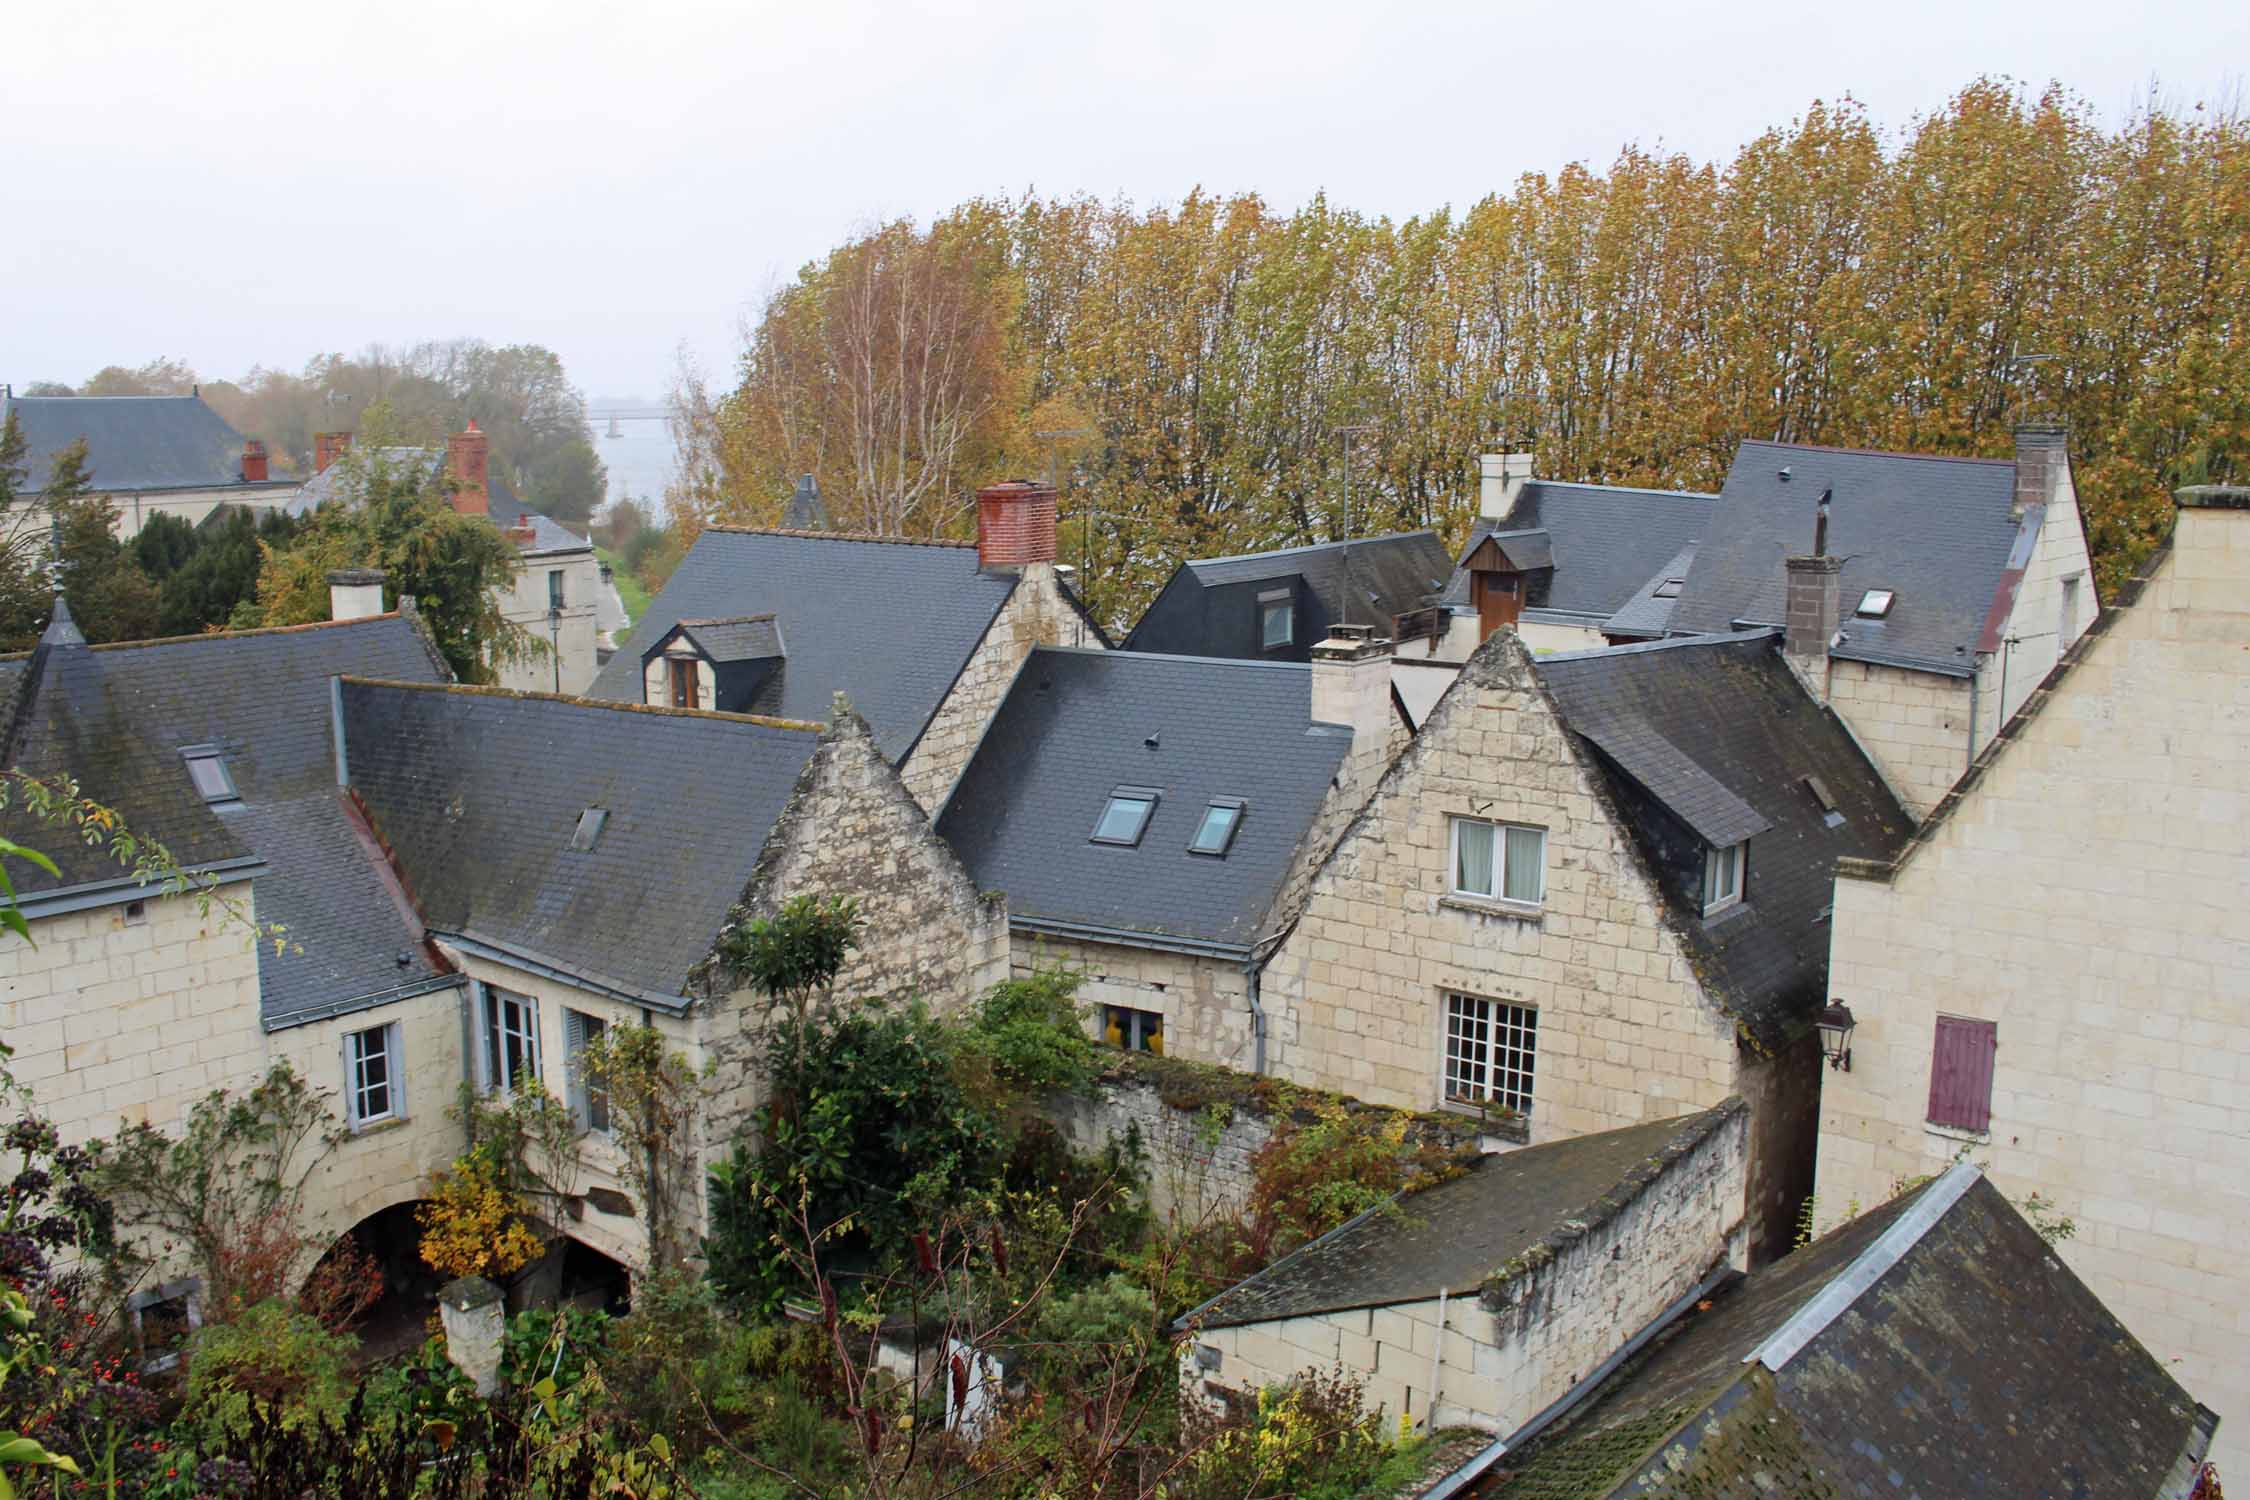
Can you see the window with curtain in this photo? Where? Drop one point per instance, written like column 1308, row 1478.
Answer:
column 1499, row 861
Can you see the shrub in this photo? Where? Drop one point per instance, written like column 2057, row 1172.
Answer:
column 1312, row 1439
column 473, row 1222
column 1028, row 1032
column 271, row 1359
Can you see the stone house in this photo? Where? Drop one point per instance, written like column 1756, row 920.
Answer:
column 1592, row 891
column 170, row 455
column 1151, row 820
column 1961, row 580
column 558, row 588
column 1480, row 1301
column 581, row 863
column 923, row 636
column 2053, row 977
column 132, row 1003
column 1278, row 605
column 1934, row 1347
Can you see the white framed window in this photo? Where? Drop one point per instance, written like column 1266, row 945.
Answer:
column 1490, row 1049
column 1875, row 604
column 1125, row 815
column 374, row 1078
column 1723, row 870
column 1499, row 861
column 511, row 1040
column 1277, row 620
column 589, row 1094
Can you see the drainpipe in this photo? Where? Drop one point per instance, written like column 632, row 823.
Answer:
column 1252, row 968
column 1437, row 1357
column 1976, row 687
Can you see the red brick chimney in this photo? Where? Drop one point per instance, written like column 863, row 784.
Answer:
column 327, row 448
column 2042, row 454
column 253, row 461
column 1015, row 524
column 466, row 458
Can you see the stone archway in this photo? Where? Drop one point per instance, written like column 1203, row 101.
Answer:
column 388, row 1244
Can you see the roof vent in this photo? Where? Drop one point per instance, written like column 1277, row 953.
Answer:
column 1155, row 741
column 590, row 825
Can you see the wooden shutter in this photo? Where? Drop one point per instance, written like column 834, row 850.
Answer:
column 1961, row 1073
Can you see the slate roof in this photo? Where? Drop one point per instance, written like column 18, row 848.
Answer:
column 1455, row 1236
column 747, row 638
column 336, row 481
column 1934, row 1347
column 1606, row 541
column 134, row 443
column 116, row 718
column 479, row 791
column 1936, row 531
column 1718, row 733
column 888, row 623
column 1648, row 614
column 1075, row 726
column 1363, row 581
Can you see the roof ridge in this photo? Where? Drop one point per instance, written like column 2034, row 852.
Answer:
column 728, row 619
column 1669, row 643
column 1630, row 489
column 1935, row 458
column 484, row 690
column 213, row 635
column 1340, row 542
column 1209, row 661
column 839, row 536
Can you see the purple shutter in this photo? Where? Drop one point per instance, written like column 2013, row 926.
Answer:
column 1961, row 1073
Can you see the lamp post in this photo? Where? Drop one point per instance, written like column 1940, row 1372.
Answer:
column 1836, row 1026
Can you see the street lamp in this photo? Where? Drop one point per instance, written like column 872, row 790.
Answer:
column 1836, row 1035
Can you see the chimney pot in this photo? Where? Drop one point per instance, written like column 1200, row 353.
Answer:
column 1015, row 524
column 1500, row 481
column 467, row 458
column 327, row 448
column 253, row 462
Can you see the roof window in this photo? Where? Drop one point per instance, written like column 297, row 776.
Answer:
column 1215, row 833
column 590, row 825
column 1670, row 588
column 1874, row 604
column 207, row 768
column 1834, row 816
column 1125, row 816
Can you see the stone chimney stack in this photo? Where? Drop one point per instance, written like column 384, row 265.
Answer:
column 1812, row 611
column 467, row 456
column 1351, row 685
column 1015, row 524
column 327, row 448
column 1500, row 481
column 2042, row 454
column 253, row 462
column 355, row 593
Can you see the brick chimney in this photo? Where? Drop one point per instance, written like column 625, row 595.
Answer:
column 253, row 461
column 1015, row 524
column 327, row 448
column 355, row 593
column 467, row 455
column 1500, row 481
column 1812, row 610
column 2042, row 455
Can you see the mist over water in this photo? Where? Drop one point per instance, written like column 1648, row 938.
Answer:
column 639, row 460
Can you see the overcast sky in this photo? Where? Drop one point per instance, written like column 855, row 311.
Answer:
column 255, row 182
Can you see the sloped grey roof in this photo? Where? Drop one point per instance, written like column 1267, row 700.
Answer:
column 1606, row 541
column 1972, row 1363
column 1648, row 614
column 336, row 482
column 888, row 623
column 479, row 791
column 1724, row 735
column 1938, row 532
column 1075, row 726
column 133, row 443
column 117, row 717
column 748, row 638
column 1363, row 581
column 1456, row 1235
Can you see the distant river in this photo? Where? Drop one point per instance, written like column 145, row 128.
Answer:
column 639, row 461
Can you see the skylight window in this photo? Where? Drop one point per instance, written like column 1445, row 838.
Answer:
column 207, row 768
column 1875, row 604
column 1125, row 816
column 1216, row 831
column 1670, row 588
column 590, row 825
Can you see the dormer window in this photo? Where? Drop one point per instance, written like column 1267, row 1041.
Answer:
column 589, row 831
column 1216, row 831
column 1722, row 877
column 1874, row 604
column 207, row 768
column 1277, row 619
column 1125, row 816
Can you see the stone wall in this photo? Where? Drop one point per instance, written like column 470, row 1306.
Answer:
column 2084, row 893
column 1913, row 725
column 1036, row 614
column 524, row 603
column 1204, row 1001
column 1497, row 1353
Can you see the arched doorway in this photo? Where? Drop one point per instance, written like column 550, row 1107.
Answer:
column 382, row 1250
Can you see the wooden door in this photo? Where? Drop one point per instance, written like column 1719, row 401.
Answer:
column 683, row 682
column 1498, row 598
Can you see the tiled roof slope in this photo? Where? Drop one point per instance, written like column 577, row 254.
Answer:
column 117, row 717
column 1363, row 581
column 1606, row 540
column 1076, row 724
column 1455, row 1236
column 1719, row 733
column 889, row 624
column 1937, row 531
column 478, row 791
column 1950, row 1352
column 1648, row 614
column 134, row 443
column 750, row 638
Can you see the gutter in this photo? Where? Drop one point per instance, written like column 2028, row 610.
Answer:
column 556, row 969
column 370, row 1001
column 1124, row 937
column 84, row 897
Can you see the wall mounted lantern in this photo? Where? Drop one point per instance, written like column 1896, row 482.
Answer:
column 1836, row 1035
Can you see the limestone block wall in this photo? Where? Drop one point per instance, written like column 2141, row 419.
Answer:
column 571, row 668
column 2084, row 893
column 1495, row 1353
column 1355, row 992
column 1913, row 725
column 2041, row 625
column 1204, row 1001
column 1199, row 1158
column 1036, row 614
column 1540, row 638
